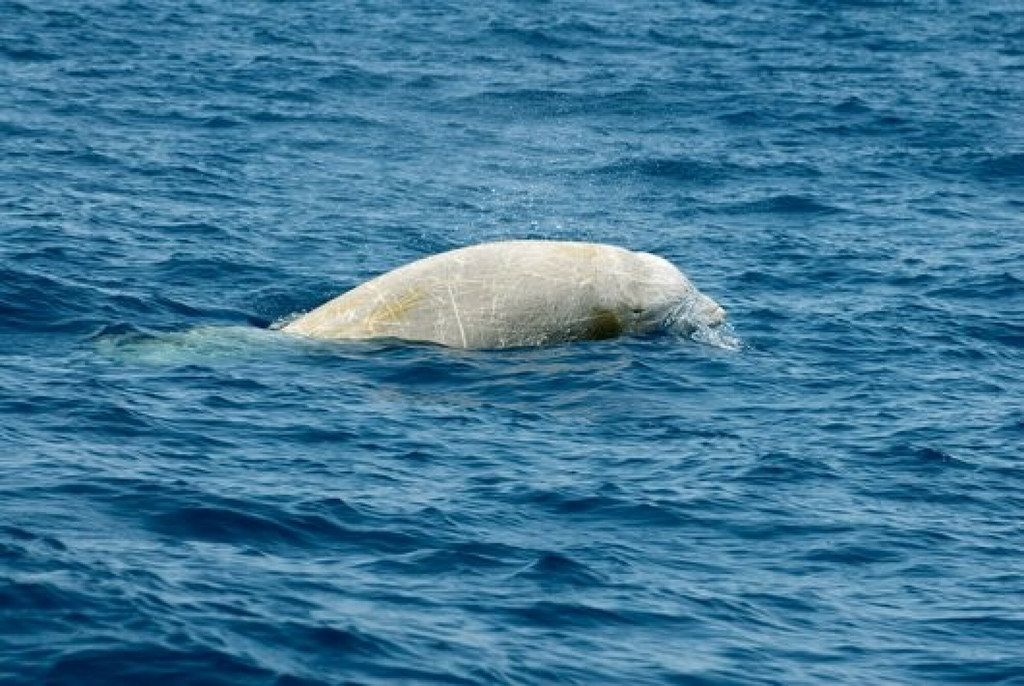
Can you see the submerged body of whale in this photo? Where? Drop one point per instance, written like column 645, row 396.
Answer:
column 517, row 293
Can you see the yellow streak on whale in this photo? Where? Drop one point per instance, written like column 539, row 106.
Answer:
column 392, row 310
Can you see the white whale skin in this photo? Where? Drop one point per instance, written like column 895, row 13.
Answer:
column 516, row 293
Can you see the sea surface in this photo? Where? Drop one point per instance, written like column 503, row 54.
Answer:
column 831, row 493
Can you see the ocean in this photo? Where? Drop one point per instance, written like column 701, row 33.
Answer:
column 189, row 496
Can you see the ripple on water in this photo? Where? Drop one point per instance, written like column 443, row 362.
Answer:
column 826, row 489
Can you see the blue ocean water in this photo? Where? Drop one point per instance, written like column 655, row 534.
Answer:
column 187, row 496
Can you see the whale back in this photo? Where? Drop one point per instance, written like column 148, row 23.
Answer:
column 514, row 293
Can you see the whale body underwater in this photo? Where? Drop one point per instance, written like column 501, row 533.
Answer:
column 516, row 294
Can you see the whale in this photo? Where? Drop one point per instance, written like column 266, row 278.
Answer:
column 517, row 293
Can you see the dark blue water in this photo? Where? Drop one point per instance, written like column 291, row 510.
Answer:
column 189, row 497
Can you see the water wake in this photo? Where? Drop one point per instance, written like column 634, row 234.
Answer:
column 185, row 347
column 723, row 337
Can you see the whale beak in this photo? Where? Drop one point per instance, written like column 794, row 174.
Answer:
column 700, row 312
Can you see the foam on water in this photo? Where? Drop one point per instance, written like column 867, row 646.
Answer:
column 723, row 336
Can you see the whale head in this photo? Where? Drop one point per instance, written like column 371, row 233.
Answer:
column 661, row 297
